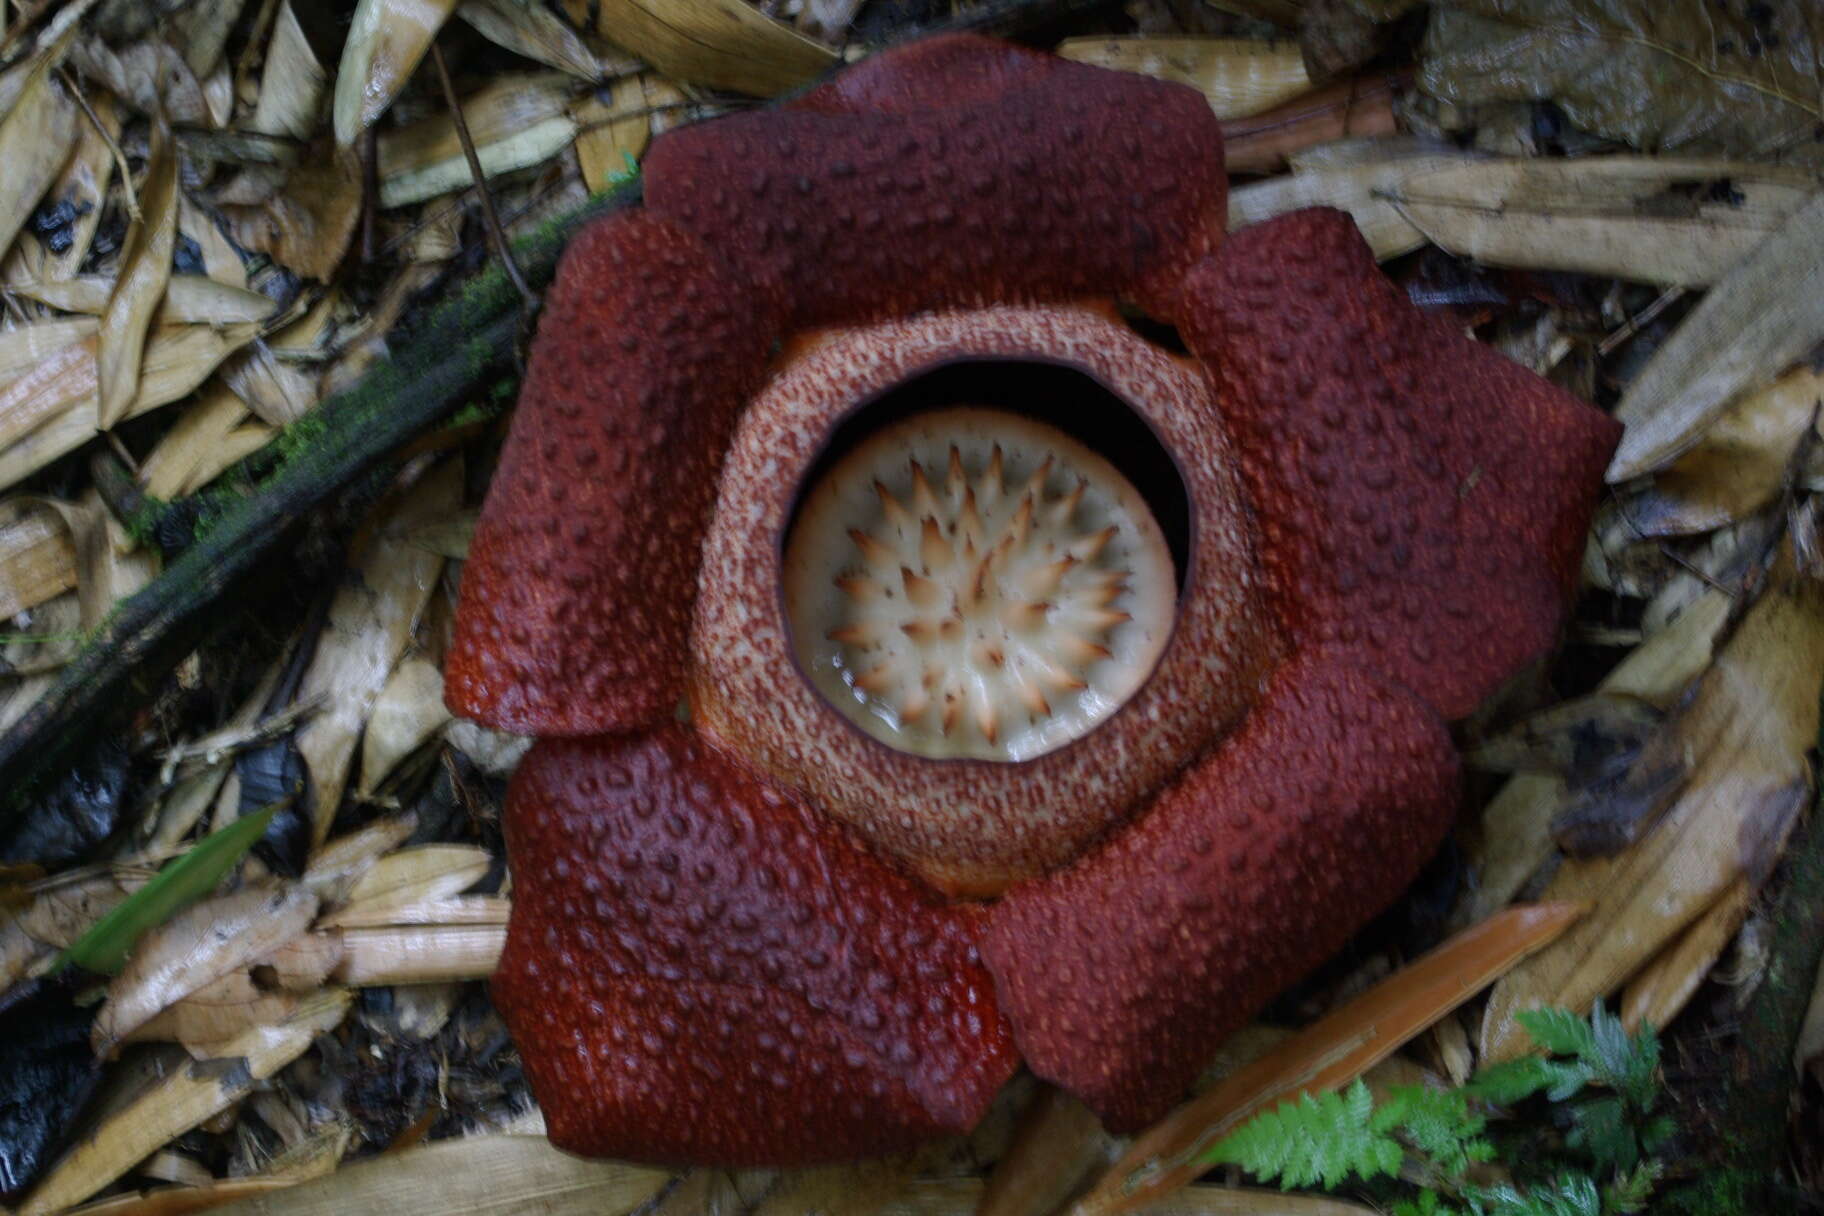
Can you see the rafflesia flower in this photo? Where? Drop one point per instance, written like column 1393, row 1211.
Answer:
column 1047, row 692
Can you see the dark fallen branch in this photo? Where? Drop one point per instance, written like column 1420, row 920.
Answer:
column 442, row 364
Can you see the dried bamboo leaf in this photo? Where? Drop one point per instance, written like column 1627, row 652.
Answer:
column 959, row 1197
column 84, row 185
column 1263, row 143
column 533, row 31
column 237, row 446
column 1516, row 834
column 726, row 44
column 306, row 226
column 424, row 872
column 515, row 122
column 221, row 260
column 177, row 360
column 196, row 948
column 189, row 299
column 610, row 137
column 1736, row 468
column 407, row 713
column 422, row 954
column 442, row 910
column 1744, row 734
column 1363, row 187
column 1666, row 220
column 49, row 390
column 148, row 74
column 291, row 88
column 181, row 1100
column 206, row 1019
column 36, row 139
column 473, row 1176
column 1662, row 988
column 168, row 471
column 370, row 622
column 338, row 863
column 386, row 39
column 29, row 345
column 201, row 30
column 1330, row 1053
column 37, row 556
column 1240, row 76
column 279, row 393
column 109, row 566
column 1757, row 320
column 145, row 268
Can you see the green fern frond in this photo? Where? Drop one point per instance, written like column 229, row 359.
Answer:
column 1323, row 1138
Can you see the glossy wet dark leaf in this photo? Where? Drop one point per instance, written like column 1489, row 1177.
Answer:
column 47, row 1074
column 75, row 814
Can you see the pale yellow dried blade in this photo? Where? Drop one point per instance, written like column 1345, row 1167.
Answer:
column 291, row 88
column 444, row 910
column 64, row 380
column 426, row 871
column 534, row 31
column 726, row 44
column 1362, row 188
column 418, row 954
column 145, row 268
column 406, row 715
column 36, row 139
column 1758, row 320
column 239, row 444
column 514, row 122
column 338, row 863
column 1666, row 984
column 1745, row 733
column 27, row 346
column 189, row 299
column 610, row 135
column 959, row 1197
column 1516, row 836
column 37, row 556
column 109, row 566
column 222, row 262
column 1239, row 76
column 475, row 1176
column 386, row 40
column 1630, row 217
column 201, row 429
column 1736, row 468
column 179, row 1101
column 370, row 623
column 206, row 1019
column 1329, row 1054
column 279, row 392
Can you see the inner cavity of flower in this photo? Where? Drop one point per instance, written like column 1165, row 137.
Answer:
column 971, row 582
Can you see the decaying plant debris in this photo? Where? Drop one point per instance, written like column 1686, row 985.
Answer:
column 255, row 360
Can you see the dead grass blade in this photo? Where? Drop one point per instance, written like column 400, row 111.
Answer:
column 515, row 122
column 173, row 468
column 474, row 1176
column 188, row 299
column 1647, row 218
column 725, row 44
column 1758, row 320
column 1239, row 76
column 1359, row 176
column 291, row 89
column 1331, row 1052
column 370, row 622
column 1744, row 735
column 423, row 872
column 145, row 268
column 534, row 31
column 386, row 40
column 37, row 556
column 179, row 1101
column 206, row 1020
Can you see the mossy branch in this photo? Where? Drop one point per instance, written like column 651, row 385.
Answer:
column 442, row 364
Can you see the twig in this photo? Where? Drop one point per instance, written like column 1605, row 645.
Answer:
column 504, row 251
column 1639, row 320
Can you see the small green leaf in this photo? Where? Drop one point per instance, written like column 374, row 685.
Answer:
column 182, row 882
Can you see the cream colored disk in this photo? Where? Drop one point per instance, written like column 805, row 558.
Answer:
column 969, row 582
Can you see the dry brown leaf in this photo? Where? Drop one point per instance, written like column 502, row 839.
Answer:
column 66, row 909
column 418, row 954
column 441, row 910
column 1516, row 825
column 37, row 556
column 386, row 39
column 149, row 75
column 307, row 225
column 1262, row 143
column 370, row 622
column 726, row 44
column 48, row 390
column 222, row 262
column 422, row 872
column 1328, row 1054
column 406, row 714
column 197, row 947
column 179, row 1101
column 515, row 122
column 170, row 469
column 1666, row 220
column 473, row 1176
column 337, row 864
column 1357, row 175
column 109, row 566
column 1664, row 985
column 84, row 185
column 291, row 89
column 534, row 31
column 1745, row 733
column 303, row 964
column 36, row 138
column 145, row 268
column 1239, row 76
column 188, row 299
column 1758, row 320
column 1736, row 468
column 608, row 135
column 204, row 1021
column 279, row 392
column 1059, row 1144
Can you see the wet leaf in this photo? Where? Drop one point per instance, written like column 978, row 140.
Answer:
column 1661, row 75
column 145, row 262
column 386, row 40
column 1239, row 76
column 207, row 1018
column 180, row 883
column 307, row 226
column 1744, row 735
column 726, row 44
column 611, row 136
column 194, row 949
column 72, row 817
column 46, row 1076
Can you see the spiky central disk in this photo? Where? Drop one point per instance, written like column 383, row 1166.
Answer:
column 968, row 582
